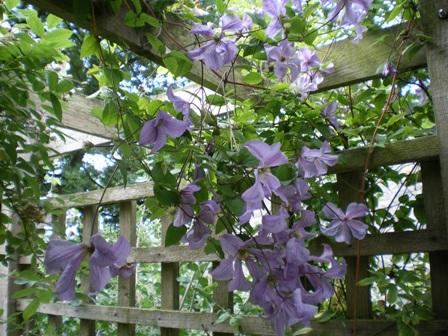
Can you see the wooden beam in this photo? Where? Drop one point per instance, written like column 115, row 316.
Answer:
column 437, row 57
column 379, row 244
column 205, row 321
column 353, row 63
column 126, row 286
column 435, row 216
column 112, row 195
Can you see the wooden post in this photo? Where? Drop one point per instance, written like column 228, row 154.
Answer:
column 437, row 58
column 54, row 321
column 435, row 216
column 348, row 186
column 169, row 284
column 126, row 286
column 222, row 298
column 90, row 226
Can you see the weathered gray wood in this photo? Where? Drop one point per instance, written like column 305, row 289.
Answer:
column 169, row 284
column 358, row 298
column 126, row 286
column 435, row 215
column 14, row 322
column 222, row 298
column 90, row 226
column 419, row 149
column 437, row 59
column 359, row 62
column 58, row 225
column 112, row 195
column 205, row 321
column 353, row 63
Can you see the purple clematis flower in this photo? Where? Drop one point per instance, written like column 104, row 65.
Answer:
column 265, row 183
column 293, row 194
column 179, row 104
column 219, row 51
column 107, row 261
column 308, row 58
column 297, row 5
column 276, row 223
column 345, row 225
column 246, row 24
column 276, row 9
column 156, row 131
column 231, row 268
column 314, row 162
column 64, row 257
column 284, row 58
column 329, row 113
column 184, row 212
column 307, row 82
column 199, row 233
column 351, row 13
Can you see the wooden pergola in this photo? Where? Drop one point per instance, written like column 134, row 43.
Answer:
column 354, row 63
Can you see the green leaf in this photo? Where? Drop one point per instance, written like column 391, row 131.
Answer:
column 53, row 21
column 162, row 176
column 174, row 235
column 177, row 63
column 35, row 24
column 223, row 317
column 56, row 104
column 24, row 293
column 64, row 86
column 253, row 78
column 31, row 309
column 220, row 6
column 285, row 173
column 367, row 281
column 151, row 20
column 215, row 99
column 156, row 43
column 90, row 46
column 166, row 196
column 297, row 25
column 10, row 4
column 109, row 117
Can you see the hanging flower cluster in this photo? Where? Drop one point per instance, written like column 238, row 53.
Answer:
column 106, row 261
column 271, row 261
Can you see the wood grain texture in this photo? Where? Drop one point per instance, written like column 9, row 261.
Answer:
column 222, row 299
column 358, row 62
column 169, row 284
column 353, row 63
column 435, row 216
column 90, row 227
column 205, row 321
column 358, row 298
column 420, row 149
column 126, row 286
column 112, row 195
column 437, row 59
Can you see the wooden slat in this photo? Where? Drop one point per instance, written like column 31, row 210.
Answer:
column 356, row 63
column 205, row 321
column 90, row 226
column 357, row 297
column 169, row 284
column 353, row 63
column 419, row 149
column 437, row 59
column 58, row 227
column 435, row 215
column 112, row 195
column 126, row 286
column 381, row 244
column 222, row 299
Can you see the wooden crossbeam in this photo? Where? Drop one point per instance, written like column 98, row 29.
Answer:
column 206, row 321
column 353, row 62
